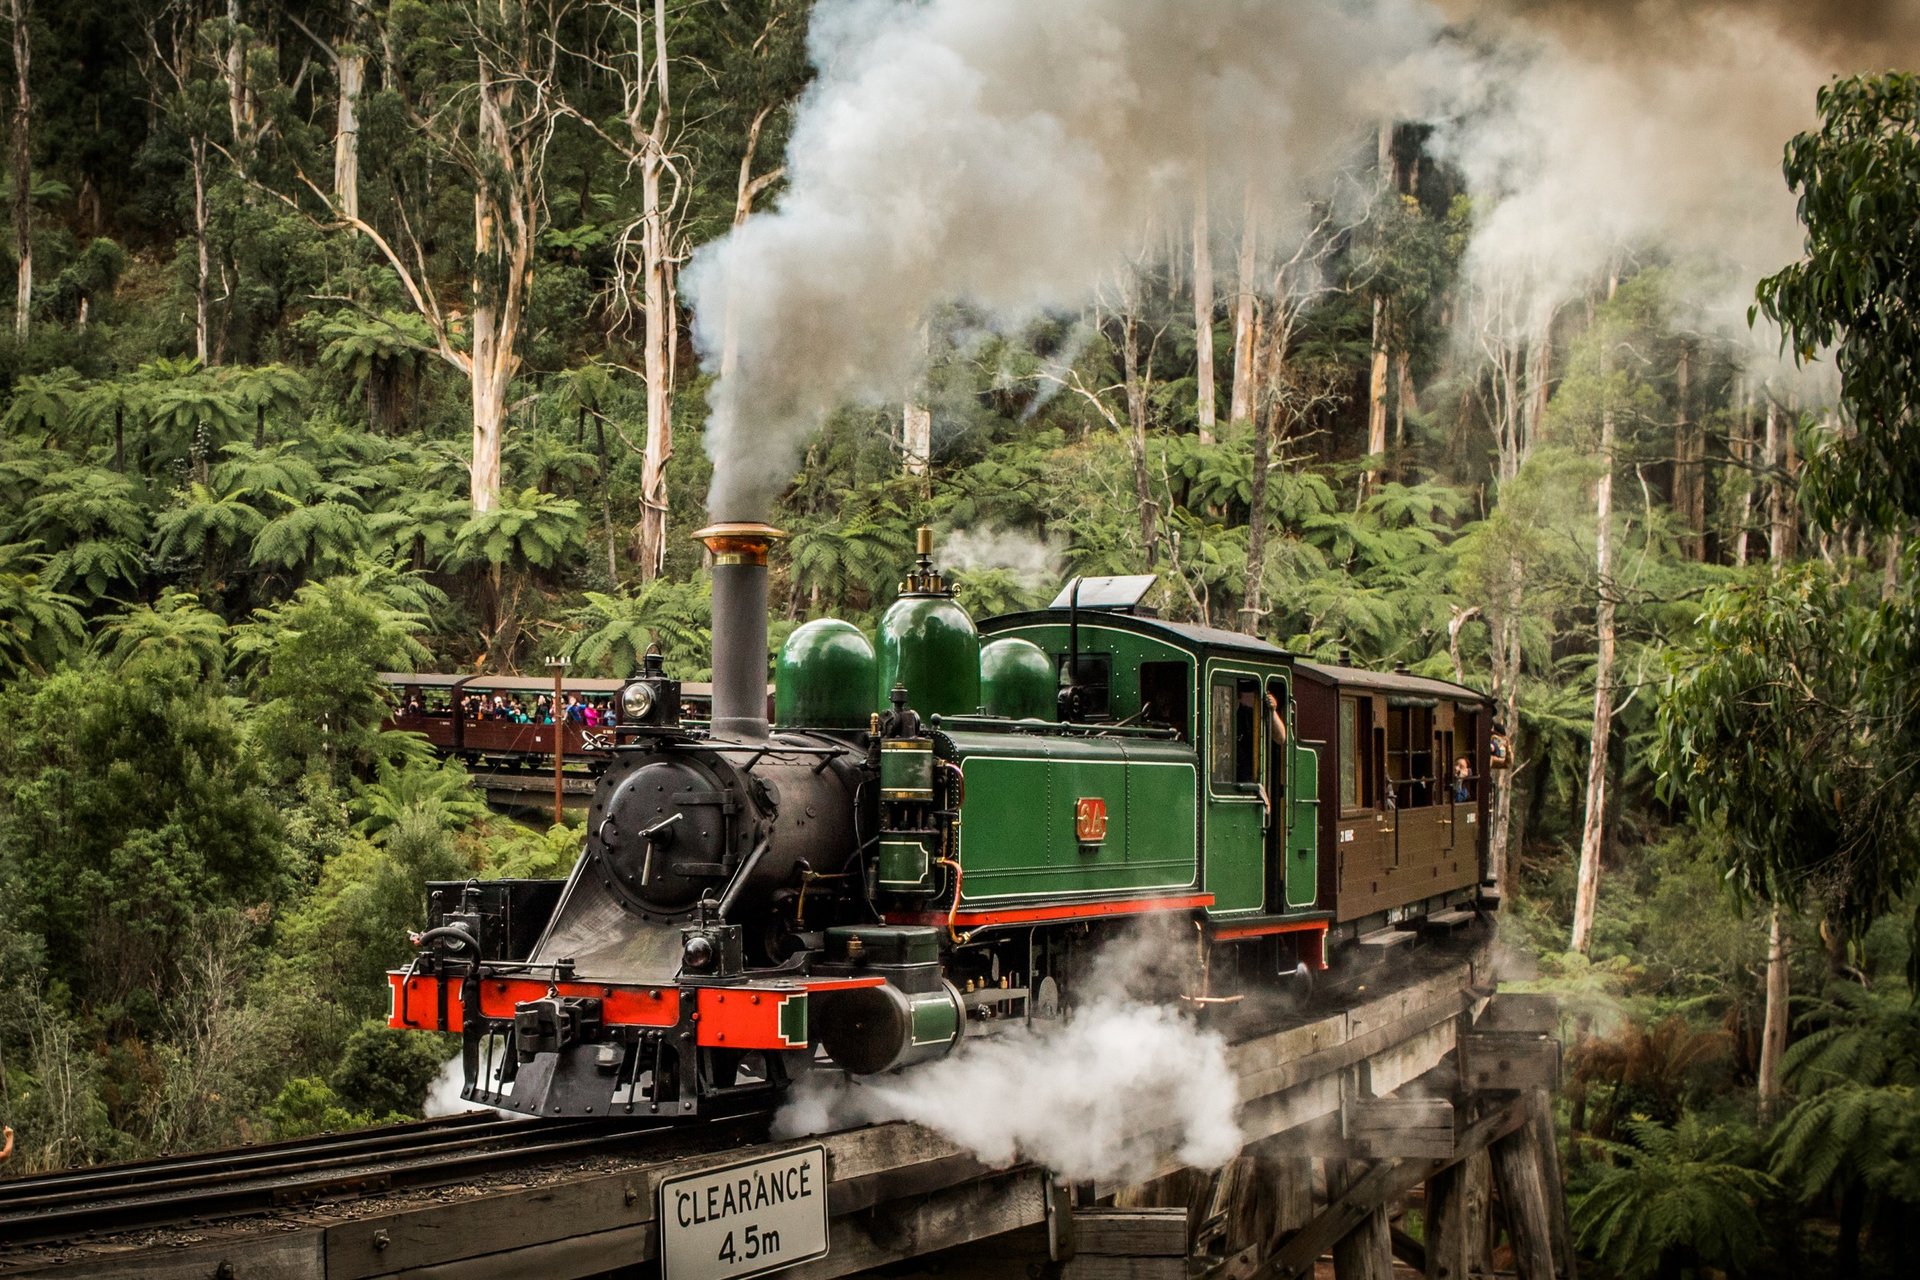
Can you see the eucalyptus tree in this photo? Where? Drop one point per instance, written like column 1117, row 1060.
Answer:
column 472, row 91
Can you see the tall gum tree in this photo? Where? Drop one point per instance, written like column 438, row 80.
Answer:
column 21, row 12
column 652, row 244
column 486, row 108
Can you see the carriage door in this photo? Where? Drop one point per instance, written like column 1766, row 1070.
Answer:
column 1443, row 774
column 1236, row 794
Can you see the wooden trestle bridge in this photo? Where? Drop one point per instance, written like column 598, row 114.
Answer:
column 1423, row 1083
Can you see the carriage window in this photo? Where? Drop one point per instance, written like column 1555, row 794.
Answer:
column 1349, row 754
column 1234, row 722
column 1410, row 755
column 1359, row 764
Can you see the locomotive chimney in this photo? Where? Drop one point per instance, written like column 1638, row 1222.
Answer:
column 739, row 624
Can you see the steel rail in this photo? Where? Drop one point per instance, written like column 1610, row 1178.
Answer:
column 124, row 1175
column 155, row 1199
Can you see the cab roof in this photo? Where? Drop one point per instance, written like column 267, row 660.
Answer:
column 1184, row 634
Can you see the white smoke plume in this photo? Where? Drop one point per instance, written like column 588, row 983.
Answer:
column 1033, row 560
column 1122, row 1081
column 1012, row 157
column 1606, row 134
column 443, row 1095
column 1008, row 156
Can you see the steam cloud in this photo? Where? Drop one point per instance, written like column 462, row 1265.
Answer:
column 1103, row 1094
column 1009, row 155
column 1014, row 156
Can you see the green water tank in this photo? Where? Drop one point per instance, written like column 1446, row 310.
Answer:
column 927, row 643
column 823, row 678
column 1016, row 680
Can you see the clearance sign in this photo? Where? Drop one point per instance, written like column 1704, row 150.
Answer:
column 745, row 1219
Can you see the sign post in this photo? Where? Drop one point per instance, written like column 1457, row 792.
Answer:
column 559, row 668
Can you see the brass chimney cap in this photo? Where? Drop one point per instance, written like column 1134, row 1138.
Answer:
column 739, row 541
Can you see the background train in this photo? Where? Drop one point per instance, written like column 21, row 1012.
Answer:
column 457, row 715
column 934, row 835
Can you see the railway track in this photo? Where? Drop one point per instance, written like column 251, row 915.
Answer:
column 240, row 1181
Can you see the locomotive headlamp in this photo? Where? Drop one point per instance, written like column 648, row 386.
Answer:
column 698, row 953
column 636, row 701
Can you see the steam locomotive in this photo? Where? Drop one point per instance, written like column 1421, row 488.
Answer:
column 935, row 834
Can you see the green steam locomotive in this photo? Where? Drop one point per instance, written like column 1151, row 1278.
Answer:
column 933, row 836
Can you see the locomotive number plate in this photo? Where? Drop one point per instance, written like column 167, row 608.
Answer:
column 745, row 1219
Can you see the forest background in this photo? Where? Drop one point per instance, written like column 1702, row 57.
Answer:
column 348, row 337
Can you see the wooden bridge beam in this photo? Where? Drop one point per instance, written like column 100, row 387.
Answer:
column 1358, row 1200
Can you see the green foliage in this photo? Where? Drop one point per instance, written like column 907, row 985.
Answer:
column 129, row 809
column 1681, row 1195
column 611, row 634
column 174, row 632
column 527, row 527
column 314, row 663
column 384, row 1071
column 437, row 794
column 1791, row 721
column 37, row 623
column 1858, row 290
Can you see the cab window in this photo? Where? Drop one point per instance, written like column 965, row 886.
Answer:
column 1234, row 726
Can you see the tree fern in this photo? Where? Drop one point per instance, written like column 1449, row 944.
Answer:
column 321, row 538
column 1685, row 1194
column 177, row 626
column 38, row 624
column 439, row 791
column 612, row 633
column 205, row 522
column 526, row 528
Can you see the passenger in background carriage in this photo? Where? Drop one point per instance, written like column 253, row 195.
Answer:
column 1462, row 780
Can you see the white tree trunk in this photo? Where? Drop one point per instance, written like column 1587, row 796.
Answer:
column 916, row 418
column 1773, row 1036
column 22, row 166
column 1377, row 396
column 1593, row 830
column 489, row 410
column 1203, row 313
column 916, row 437
column 346, row 132
column 239, row 102
column 658, row 302
column 1779, row 514
column 503, row 230
column 1743, row 455
column 1245, row 308
column 197, row 151
column 746, row 190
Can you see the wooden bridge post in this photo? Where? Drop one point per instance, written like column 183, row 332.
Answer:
column 1519, row 1173
column 1446, row 1220
column 1366, row 1252
column 1559, row 1230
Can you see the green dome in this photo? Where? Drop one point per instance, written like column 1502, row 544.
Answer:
column 927, row 643
column 1016, row 680
column 824, row 677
